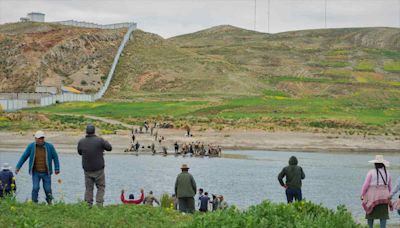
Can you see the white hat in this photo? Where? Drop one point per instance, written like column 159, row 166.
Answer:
column 379, row 159
column 5, row 166
column 39, row 134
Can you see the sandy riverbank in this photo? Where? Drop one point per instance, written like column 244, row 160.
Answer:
column 66, row 141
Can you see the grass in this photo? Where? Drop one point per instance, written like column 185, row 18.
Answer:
column 266, row 214
column 369, row 110
column 328, row 64
column 393, row 67
column 28, row 121
column 365, row 65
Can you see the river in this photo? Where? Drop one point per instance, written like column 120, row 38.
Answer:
column 331, row 178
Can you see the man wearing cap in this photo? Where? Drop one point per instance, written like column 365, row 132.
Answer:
column 7, row 180
column 41, row 155
column 91, row 148
column 185, row 190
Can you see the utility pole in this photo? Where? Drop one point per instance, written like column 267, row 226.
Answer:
column 255, row 14
column 269, row 11
column 326, row 10
column 399, row 12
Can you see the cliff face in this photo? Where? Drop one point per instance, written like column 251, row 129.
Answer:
column 55, row 55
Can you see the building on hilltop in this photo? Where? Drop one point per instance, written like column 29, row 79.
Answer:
column 33, row 16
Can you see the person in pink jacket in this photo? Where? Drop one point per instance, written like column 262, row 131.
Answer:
column 375, row 193
column 131, row 199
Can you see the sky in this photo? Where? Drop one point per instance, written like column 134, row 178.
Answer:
column 175, row 17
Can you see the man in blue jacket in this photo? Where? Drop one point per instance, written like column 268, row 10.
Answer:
column 41, row 155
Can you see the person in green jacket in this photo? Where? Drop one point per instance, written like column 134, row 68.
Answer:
column 185, row 190
column 294, row 174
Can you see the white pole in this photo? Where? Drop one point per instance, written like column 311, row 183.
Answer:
column 269, row 11
column 255, row 14
column 325, row 12
column 399, row 12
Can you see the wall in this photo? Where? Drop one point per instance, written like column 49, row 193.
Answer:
column 23, row 96
column 94, row 25
column 13, row 105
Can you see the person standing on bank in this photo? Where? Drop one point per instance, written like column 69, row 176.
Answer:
column 91, row 148
column 294, row 174
column 185, row 190
column 7, row 181
column 375, row 193
column 41, row 155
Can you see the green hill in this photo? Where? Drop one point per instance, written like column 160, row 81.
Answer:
column 228, row 61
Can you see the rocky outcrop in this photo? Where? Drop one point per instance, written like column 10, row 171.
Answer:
column 55, row 55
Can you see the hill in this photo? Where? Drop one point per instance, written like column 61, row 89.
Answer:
column 55, row 55
column 228, row 61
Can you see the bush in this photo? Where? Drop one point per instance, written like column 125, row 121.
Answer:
column 167, row 201
column 266, row 214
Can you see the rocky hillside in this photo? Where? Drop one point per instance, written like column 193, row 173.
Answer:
column 226, row 61
column 55, row 55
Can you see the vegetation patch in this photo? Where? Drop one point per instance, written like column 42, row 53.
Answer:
column 22, row 121
column 328, row 64
column 341, row 73
column 365, row 65
column 267, row 214
column 393, row 67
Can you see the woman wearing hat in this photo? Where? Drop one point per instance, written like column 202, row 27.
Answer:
column 375, row 192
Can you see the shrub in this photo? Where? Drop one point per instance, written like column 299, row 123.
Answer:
column 166, row 201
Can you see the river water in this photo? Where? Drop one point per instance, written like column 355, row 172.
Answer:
column 331, row 178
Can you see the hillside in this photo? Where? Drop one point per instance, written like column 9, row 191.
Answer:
column 55, row 55
column 226, row 61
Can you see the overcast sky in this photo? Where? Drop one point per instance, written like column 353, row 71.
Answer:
column 174, row 17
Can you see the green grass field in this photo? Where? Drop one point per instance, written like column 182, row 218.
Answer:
column 370, row 111
column 266, row 214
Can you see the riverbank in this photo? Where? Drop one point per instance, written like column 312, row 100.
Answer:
column 266, row 214
column 66, row 141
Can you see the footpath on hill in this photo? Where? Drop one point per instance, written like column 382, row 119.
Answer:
column 236, row 139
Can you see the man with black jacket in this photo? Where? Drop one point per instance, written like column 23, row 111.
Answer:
column 91, row 148
column 294, row 174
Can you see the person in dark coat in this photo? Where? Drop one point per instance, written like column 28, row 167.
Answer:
column 7, row 181
column 185, row 190
column 294, row 174
column 91, row 148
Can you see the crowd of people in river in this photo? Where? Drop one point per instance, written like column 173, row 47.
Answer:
column 193, row 148
column 376, row 194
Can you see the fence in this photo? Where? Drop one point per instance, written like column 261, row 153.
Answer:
column 23, row 96
column 94, row 25
column 12, row 105
column 101, row 92
column 46, row 101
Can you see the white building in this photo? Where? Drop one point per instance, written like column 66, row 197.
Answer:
column 34, row 16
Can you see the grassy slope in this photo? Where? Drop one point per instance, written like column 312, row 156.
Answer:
column 304, row 214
